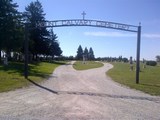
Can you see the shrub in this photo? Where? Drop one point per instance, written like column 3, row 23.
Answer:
column 151, row 63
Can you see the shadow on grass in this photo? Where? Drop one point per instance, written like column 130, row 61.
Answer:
column 35, row 72
column 13, row 67
column 18, row 67
column 152, row 99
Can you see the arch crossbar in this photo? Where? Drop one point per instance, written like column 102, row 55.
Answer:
column 87, row 22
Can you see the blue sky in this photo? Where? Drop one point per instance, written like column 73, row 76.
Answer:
column 105, row 42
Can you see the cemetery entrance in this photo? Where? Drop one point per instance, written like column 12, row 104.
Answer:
column 91, row 23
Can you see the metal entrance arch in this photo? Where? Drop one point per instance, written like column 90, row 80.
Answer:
column 91, row 23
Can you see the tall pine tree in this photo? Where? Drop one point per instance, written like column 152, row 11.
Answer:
column 38, row 36
column 10, row 32
column 79, row 55
column 91, row 54
column 54, row 48
column 86, row 53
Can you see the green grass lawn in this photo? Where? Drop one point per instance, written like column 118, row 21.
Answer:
column 149, row 77
column 12, row 76
column 79, row 65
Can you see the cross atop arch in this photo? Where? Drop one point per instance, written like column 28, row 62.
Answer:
column 83, row 14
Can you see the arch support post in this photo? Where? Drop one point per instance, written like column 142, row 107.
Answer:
column 26, row 52
column 138, row 54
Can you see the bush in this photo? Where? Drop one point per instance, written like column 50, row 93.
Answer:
column 151, row 63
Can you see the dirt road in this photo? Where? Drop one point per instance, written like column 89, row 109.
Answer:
column 78, row 95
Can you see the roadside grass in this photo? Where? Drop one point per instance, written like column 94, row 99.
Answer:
column 149, row 77
column 79, row 65
column 12, row 76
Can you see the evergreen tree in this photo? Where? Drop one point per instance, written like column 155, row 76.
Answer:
column 54, row 48
column 120, row 58
column 86, row 53
column 10, row 31
column 79, row 53
column 38, row 36
column 91, row 54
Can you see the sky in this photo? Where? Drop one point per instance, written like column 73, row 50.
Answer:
column 105, row 42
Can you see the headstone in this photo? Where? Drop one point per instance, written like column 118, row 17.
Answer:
column 131, row 63
column 5, row 60
column 84, row 61
column 144, row 63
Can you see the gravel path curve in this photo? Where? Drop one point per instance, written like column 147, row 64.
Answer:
column 78, row 95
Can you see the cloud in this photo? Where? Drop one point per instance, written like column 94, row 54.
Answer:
column 121, row 34
column 153, row 36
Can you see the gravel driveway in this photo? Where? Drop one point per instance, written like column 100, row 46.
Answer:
column 78, row 95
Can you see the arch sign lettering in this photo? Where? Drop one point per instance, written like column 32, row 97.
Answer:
column 85, row 22
column 102, row 24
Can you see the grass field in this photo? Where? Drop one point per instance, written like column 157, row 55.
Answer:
column 11, row 76
column 149, row 77
column 79, row 65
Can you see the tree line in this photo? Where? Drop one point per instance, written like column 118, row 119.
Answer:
column 113, row 59
column 42, row 41
column 87, row 54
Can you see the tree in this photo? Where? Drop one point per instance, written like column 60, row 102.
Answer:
column 57, row 50
column 54, row 48
column 86, row 53
column 91, row 54
column 38, row 36
column 79, row 55
column 10, row 31
column 120, row 58
column 158, row 58
column 125, row 60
